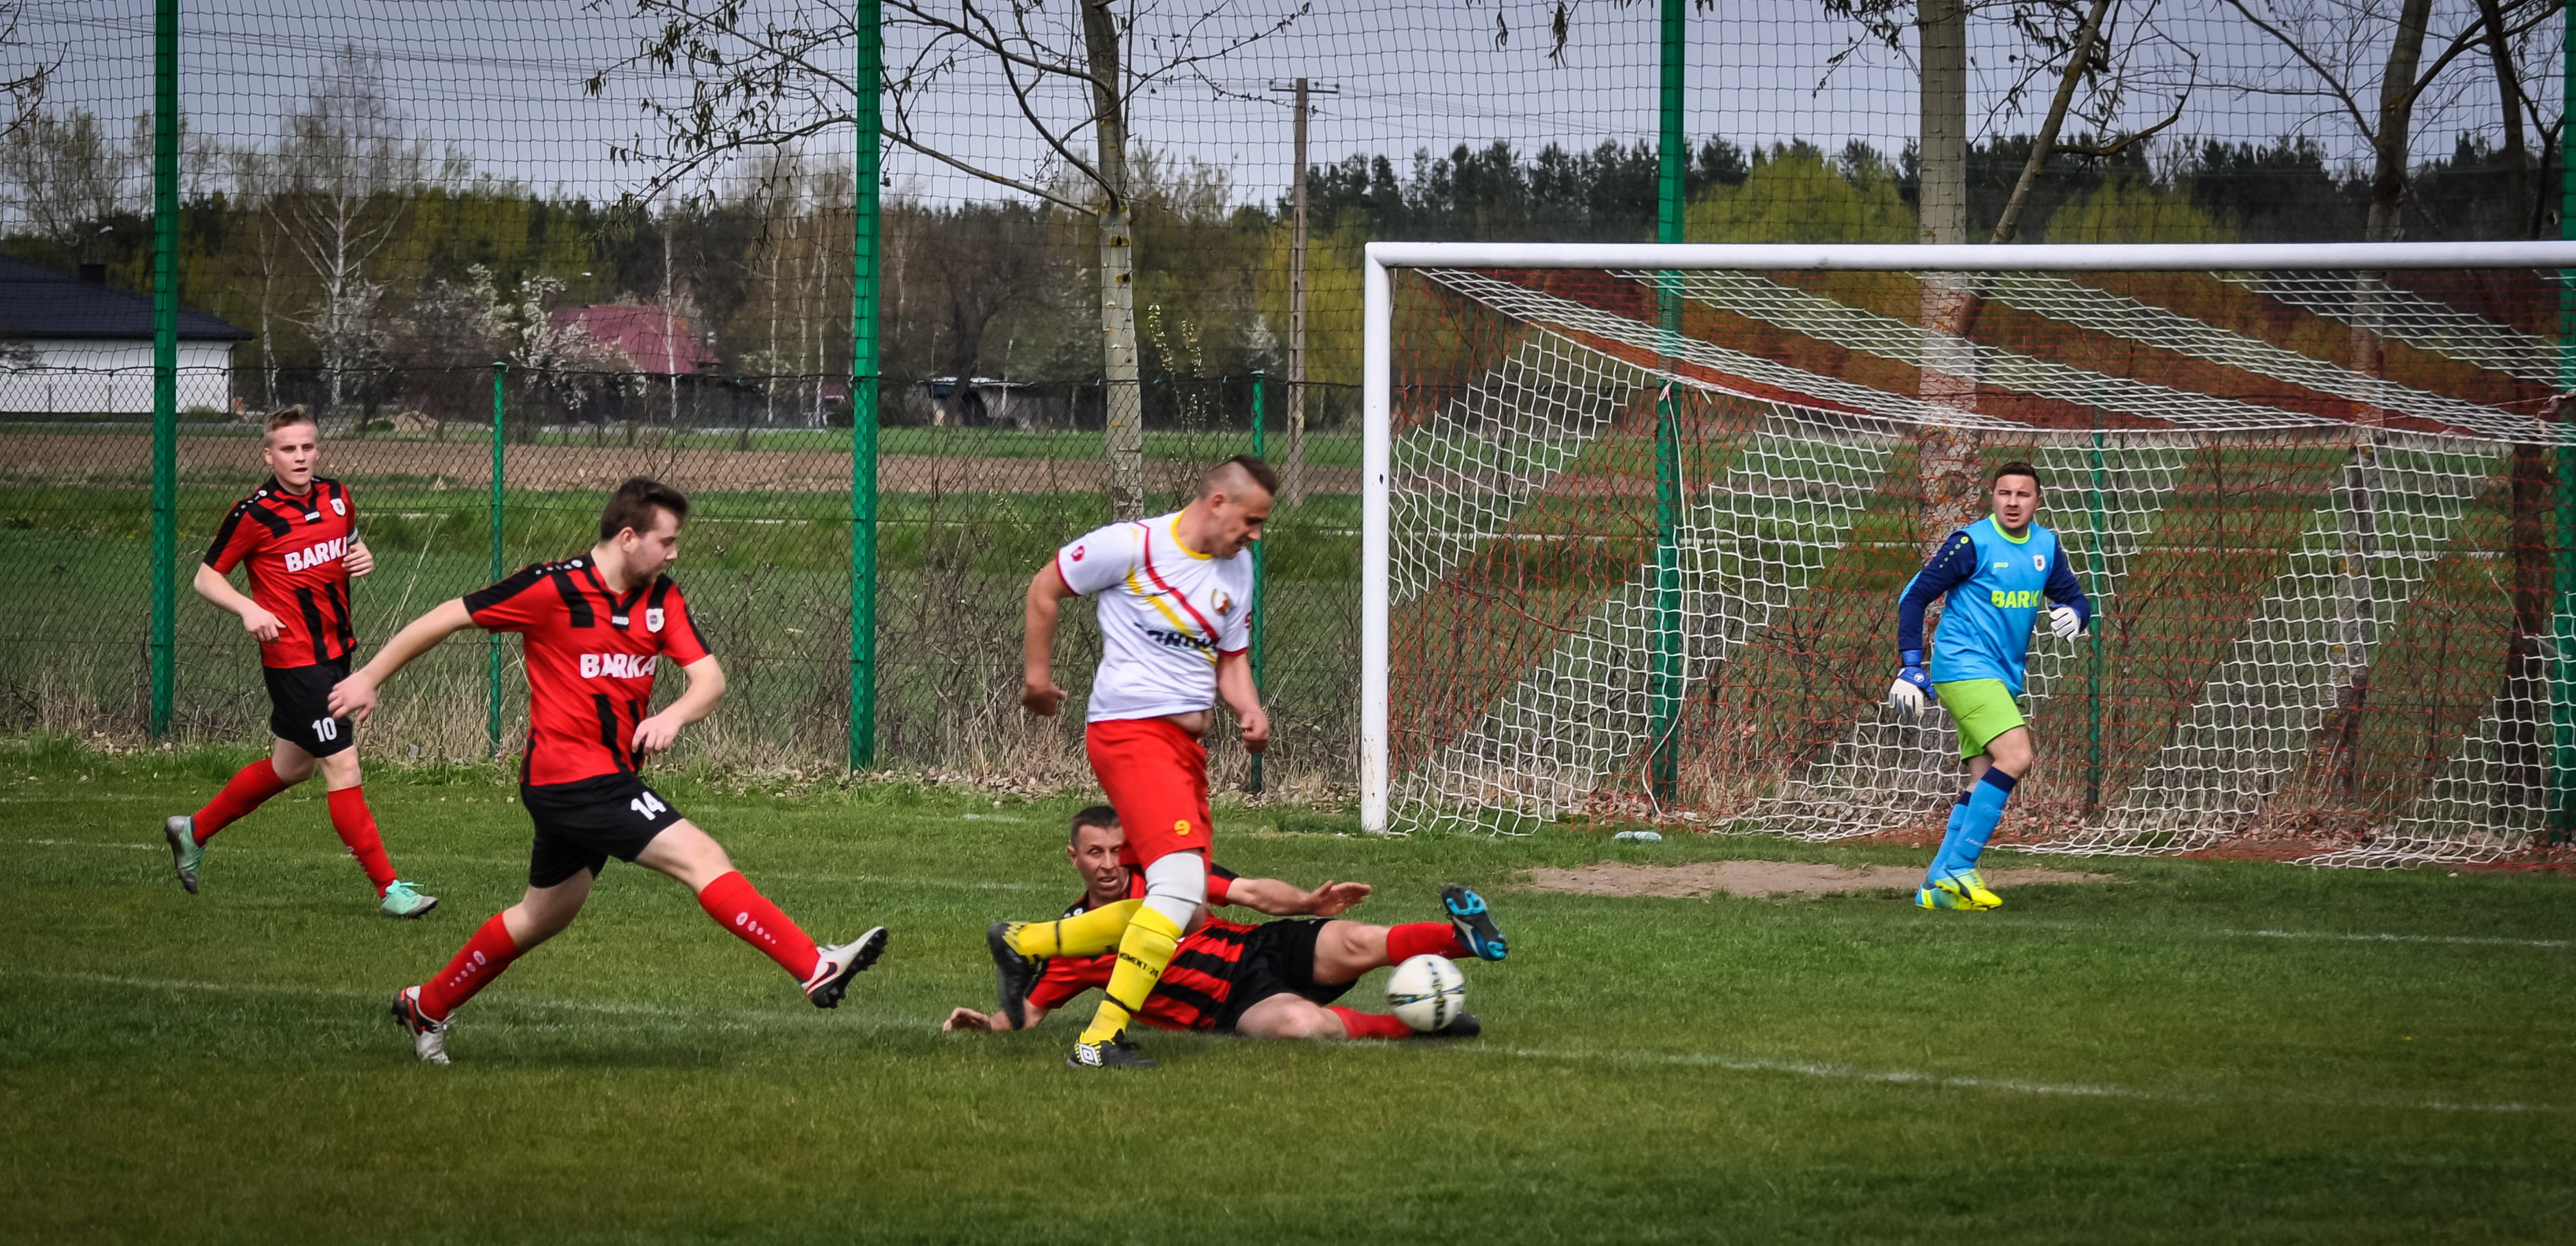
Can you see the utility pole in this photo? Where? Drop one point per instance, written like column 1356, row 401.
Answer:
column 1292, row 477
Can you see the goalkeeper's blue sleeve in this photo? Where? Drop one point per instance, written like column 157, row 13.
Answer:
column 1949, row 567
column 2063, row 589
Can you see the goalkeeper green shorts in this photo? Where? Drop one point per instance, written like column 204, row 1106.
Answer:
column 1983, row 708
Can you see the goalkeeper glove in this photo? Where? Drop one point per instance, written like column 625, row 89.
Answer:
column 2065, row 622
column 1913, row 686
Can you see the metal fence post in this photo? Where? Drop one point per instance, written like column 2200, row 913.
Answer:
column 492, row 673
column 165, row 361
column 865, row 393
column 1664, row 765
column 1260, row 594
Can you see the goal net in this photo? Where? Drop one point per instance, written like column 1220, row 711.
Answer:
column 1637, row 520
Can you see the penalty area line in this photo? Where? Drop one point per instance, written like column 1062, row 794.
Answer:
column 2005, row 1085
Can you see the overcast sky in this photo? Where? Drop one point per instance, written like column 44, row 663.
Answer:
column 503, row 81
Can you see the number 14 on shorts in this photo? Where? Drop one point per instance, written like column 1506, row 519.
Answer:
column 648, row 806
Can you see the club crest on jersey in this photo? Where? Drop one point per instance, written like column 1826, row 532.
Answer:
column 339, row 507
column 317, row 554
column 2039, row 562
column 1078, row 552
column 1224, row 603
column 617, row 665
column 653, row 619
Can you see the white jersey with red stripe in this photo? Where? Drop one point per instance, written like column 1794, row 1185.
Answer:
column 1166, row 613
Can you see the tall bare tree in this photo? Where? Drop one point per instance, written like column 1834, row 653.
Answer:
column 345, row 172
column 67, row 175
column 761, row 79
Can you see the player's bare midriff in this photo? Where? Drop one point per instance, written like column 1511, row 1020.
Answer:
column 1195, row 722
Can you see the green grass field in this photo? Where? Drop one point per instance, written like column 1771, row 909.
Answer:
column 2190, row 1051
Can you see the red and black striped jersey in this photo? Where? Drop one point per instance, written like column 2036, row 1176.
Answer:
column 1195, row 986
column 292, row 548
column 591, row 658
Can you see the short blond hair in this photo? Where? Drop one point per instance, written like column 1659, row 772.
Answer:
column 287, row 417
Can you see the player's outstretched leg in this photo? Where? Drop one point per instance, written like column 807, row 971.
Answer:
column 1357, row 1024
column 426, row 1010
column 249, row 787
column 1475, row 924
column 823, row 973
column 1017, row 947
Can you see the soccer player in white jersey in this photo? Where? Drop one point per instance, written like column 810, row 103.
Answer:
column 1175, row 602
column 1995, row 573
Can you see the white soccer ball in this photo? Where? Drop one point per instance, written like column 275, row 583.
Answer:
column 1427, row 992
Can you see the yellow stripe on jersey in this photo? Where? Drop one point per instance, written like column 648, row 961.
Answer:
column 1178, row 623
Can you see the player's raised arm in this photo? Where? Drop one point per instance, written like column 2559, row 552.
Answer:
column 355, row 696
column 1038, row 690
column 1281, row 899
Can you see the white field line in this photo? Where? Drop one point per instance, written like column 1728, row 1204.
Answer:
column 2003, row 1085
column 788, row 875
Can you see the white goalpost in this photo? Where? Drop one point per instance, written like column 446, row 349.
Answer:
column 1635, row 518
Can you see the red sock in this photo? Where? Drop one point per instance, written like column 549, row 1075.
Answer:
column 1372, row 1024
column 357, row 827
column 739, row 907
column 255, row 783
column 481, row 959
column 1412, row 939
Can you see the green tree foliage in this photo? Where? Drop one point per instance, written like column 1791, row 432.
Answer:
column 1794, row 195
column 2126, row 209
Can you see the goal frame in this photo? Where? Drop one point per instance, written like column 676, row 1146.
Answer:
column 1377, row 373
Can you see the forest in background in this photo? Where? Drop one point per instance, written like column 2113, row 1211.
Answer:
column 379, row 272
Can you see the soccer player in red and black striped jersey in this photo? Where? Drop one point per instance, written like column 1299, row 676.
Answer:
column 297, row 538
column 1272, row 980
column 594, row 629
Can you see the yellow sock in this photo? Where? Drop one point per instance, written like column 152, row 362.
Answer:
column 1084, row 934
column 1142, row 955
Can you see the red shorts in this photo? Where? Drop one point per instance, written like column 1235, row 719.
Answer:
column 1156, row 777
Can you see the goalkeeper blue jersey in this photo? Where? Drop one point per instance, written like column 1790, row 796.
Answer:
column 1995, row 585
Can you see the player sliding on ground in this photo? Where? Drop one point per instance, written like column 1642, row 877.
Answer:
column 1995, row 572
column 595, row 628
column 1274, row 980
column 1175, row 603
column 297, row 536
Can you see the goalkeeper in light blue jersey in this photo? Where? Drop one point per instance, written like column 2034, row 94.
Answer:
column 1996, row 572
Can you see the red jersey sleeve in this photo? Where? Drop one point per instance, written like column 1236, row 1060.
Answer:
column 515, row 604
column 241, row 532
column 677, row 629
column 1069, row 976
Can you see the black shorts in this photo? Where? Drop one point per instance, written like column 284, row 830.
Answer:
column 1278, row 959
column 299, row 706
column 580, row 825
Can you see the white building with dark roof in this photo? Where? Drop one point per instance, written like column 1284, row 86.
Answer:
column 76, row 347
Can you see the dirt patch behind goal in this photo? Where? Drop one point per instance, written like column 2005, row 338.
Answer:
column 1699, row 879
